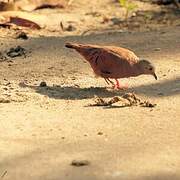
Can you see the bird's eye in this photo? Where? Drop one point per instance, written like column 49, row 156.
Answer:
column 150, row 68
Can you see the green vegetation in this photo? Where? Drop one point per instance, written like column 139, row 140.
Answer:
column 129, row 6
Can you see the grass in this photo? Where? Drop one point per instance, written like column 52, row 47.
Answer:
column 129, row 6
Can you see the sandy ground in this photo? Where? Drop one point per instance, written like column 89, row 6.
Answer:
column 44, row 128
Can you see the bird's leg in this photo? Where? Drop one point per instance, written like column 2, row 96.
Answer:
column 108, row 81
column 118, row 86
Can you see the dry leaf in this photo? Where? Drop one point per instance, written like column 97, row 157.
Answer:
column 128, row 99
column 52, row 6
column 24, row 22
column 31, row 5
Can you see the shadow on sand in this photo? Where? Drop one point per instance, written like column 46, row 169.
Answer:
column 166, row 88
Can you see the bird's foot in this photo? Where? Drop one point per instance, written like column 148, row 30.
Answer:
column 120, row 87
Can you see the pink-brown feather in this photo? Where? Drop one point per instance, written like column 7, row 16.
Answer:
column 109, row 61
column 116, row 60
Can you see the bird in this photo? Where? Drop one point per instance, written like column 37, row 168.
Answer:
column 112, row 62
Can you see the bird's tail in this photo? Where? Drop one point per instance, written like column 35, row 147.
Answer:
column 84, row 49
column 72, row 45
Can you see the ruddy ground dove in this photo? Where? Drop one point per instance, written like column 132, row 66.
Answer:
column 111, row 62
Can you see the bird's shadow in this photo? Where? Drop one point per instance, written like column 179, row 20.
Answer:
column 73, row 92
column 164, row 88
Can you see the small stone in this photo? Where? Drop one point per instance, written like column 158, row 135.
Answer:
column 73, row 78
column 7, row 84
column 17, row 51
column 3, row 100
column 43, row 84
column 70, row 28
column 76, row 85
column 160, row 94
column 157, row 49
column 105, row 20
column 21, row 35
column 10, row 61
column 79, row 163
column 134, row 14
column 51, row 67
column 116, row 21
column 100, row 133
column 150, row 105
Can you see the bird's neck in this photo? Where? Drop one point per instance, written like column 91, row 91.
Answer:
column 136, row 70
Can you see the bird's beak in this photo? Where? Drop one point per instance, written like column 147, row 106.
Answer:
column 155, row 76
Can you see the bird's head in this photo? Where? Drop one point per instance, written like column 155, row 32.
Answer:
column 146, row 67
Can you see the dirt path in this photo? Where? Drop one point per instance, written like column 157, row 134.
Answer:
column 44, row 128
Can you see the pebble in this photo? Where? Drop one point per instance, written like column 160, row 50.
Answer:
column 157, row 49
column 43, row 84
column 21, row 35
column 79, row 163
column 70, row 28
column 100, row 133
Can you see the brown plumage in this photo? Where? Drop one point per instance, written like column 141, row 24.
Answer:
column 113, row 62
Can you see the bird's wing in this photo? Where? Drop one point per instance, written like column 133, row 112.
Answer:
column 114, row 63
column 90, row 50
column 123, row 53
column 107, row 60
